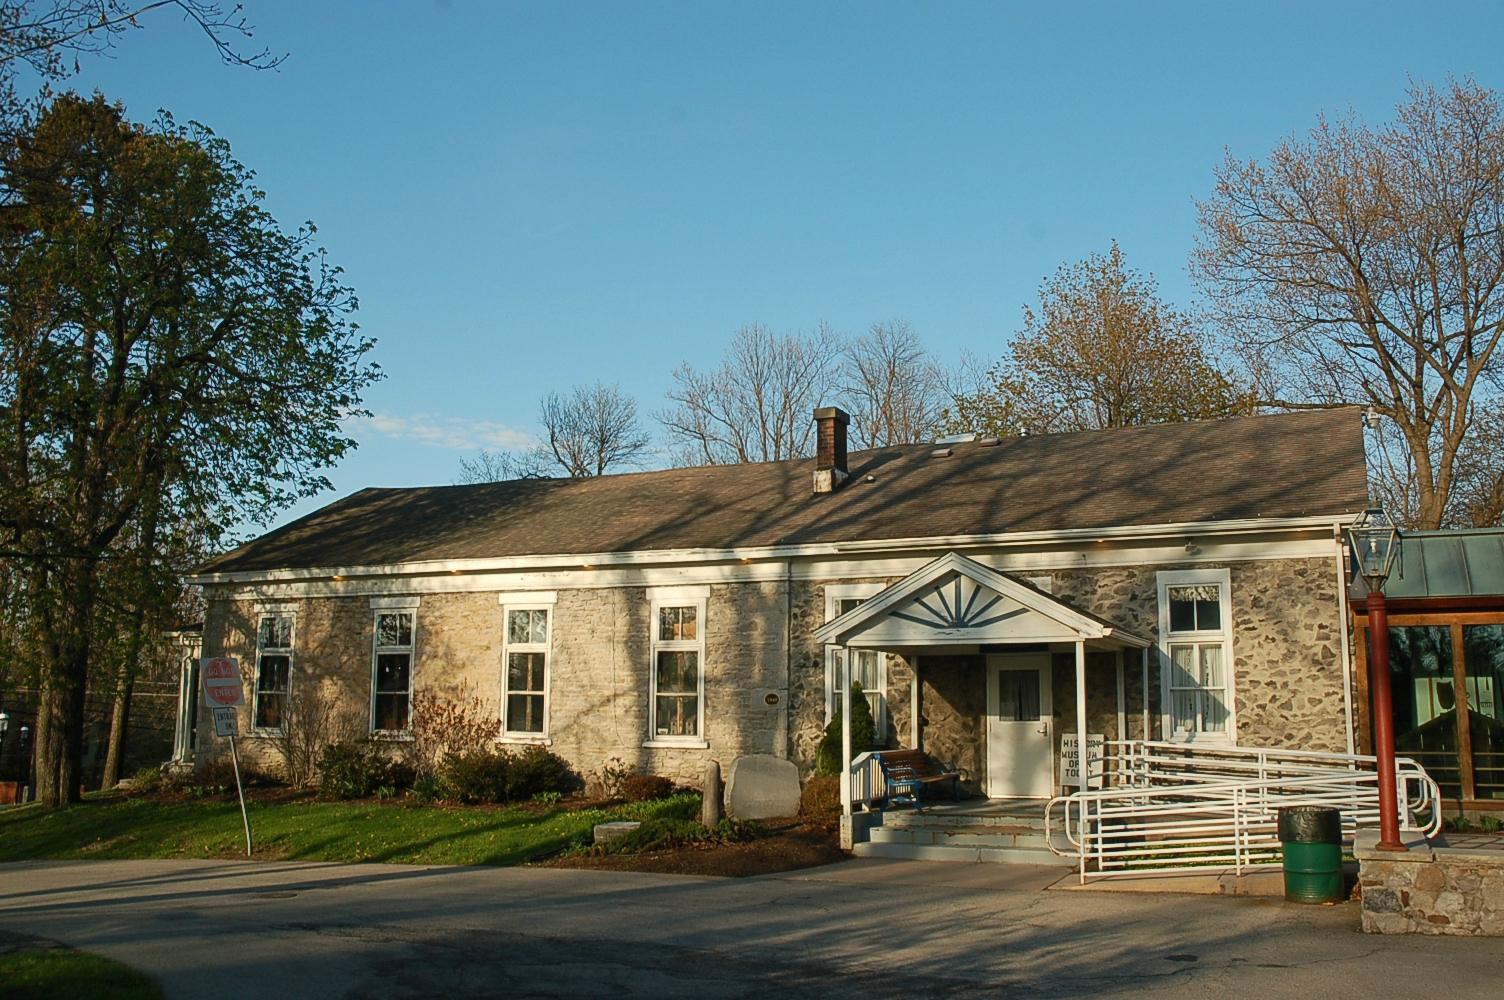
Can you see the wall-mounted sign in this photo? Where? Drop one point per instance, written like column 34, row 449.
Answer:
column 1070, row 759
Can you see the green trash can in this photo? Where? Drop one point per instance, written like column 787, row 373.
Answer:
column 1311, row 840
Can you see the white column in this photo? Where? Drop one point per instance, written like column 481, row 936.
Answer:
column 1122, row 701
column 1081, row 711
column 845, row 678
column 1145, row 652
column 914, row 743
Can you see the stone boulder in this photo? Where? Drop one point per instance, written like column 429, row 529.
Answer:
column 762, row 786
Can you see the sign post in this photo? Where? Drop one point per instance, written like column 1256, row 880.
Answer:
column 1070, row 760
column 223, row 692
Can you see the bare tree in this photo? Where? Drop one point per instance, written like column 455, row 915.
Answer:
column 499, row 466
column 1103, row 350
column 756, row 406
column 592, row 429
column 892, row 387
column 1366, row 265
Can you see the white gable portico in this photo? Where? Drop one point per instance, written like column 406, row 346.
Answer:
column 958, row 605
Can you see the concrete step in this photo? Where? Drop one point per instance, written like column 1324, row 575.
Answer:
column 936, row 852
column 938, row 820
column 961, row 837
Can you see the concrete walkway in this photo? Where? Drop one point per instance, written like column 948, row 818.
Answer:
column 861, row 929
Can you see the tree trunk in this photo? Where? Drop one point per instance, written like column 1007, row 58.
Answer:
column 65, row 670
column 120, row 712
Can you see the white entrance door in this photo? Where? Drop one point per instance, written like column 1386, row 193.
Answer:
column 1020, row 757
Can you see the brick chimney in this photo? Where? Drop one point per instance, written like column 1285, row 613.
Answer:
column 830, row 448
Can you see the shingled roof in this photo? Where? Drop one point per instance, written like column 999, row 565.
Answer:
column 1275, row 466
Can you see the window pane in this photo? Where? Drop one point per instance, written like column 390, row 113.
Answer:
column 517, row 626
column 525, row 672
column 273, row 673
column 677, row 715
column 269, row 707
column 394, row 629
column 276, row 632
column 1425, row 702
column 1018, row 695
column 538, row 627
column 1183, row 711
column 1182, row 666
column 864, row 669
column 391, row 712
column 846, row 604
column 525, row 713
column 1483, row 664
column 678, row 671
column 1182, row 613
column 678, row 623
column 1211, row 666
column 392, row 671
column 1208, row 614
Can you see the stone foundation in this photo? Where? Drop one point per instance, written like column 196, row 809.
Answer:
column 1431, row 888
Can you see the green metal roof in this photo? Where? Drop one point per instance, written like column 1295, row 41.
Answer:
column 1449, row 564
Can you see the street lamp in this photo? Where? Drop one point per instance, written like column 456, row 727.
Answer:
column 1376, row 541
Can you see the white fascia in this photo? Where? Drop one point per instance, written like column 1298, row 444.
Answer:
column 652, row 557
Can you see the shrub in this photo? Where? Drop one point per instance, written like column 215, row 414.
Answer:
column 354, row 769
column 476, row 776
column 642, row 787
column 146, row 780
column 443, row 728
column 218, row 778
column 312, row 720
column 680, row 805
column 534, row 770
column 664, row 833
column 863, row 734
column 821, row 797
column 613, row 773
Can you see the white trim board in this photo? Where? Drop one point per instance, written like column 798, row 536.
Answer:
column 1023, row 564
column 1197, row 531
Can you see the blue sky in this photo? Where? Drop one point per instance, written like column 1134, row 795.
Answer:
column 529, row 196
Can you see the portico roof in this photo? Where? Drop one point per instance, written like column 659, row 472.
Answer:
column 957, row 601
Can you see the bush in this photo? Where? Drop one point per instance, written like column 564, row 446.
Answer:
column 863, row 734
column 354, row 769
column 610, row 777
column 146, row 780
column 476, row 776
column 535, row 771
column 218, row 778
column 642, row 787
column 821, row 797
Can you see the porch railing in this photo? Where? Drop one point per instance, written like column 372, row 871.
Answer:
column 1177, row 808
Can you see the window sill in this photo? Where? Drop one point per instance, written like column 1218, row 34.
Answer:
column 390, row 736
column 263, row 734
column 525, row 739
column 676, row 744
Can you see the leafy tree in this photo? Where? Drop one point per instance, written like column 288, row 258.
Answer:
column 1102, row 350
column 863, row 733
column 164, row 346
column 1364, row 265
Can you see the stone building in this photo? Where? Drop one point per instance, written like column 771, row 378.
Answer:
column 1178, row 581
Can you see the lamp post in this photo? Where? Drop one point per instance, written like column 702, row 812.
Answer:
column 4, row 727
column 1375, row 542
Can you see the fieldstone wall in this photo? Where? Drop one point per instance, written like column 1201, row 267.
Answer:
column 760, row 646
column 1431, row 890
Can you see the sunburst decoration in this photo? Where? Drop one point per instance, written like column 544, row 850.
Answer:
column 956, row 602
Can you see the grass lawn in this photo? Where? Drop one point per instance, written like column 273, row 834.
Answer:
column 118, row 827
column 47, row 973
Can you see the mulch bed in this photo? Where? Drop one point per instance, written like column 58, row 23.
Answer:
column 789, row 844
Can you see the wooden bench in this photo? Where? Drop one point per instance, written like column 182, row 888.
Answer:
column 906, row 772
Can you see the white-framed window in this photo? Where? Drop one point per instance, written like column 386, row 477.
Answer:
column 527, row 631
column 274, row 637
column 676, row 675
column 1195, row 653
column 393, row 644
column 869, row 667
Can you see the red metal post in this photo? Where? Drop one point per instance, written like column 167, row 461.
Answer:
column 1383, row 721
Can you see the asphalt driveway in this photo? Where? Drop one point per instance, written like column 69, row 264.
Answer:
column 862, row 929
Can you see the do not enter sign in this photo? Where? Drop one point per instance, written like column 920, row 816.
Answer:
column 221, row 681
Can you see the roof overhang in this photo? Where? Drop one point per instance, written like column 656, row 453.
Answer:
column 957, row 601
